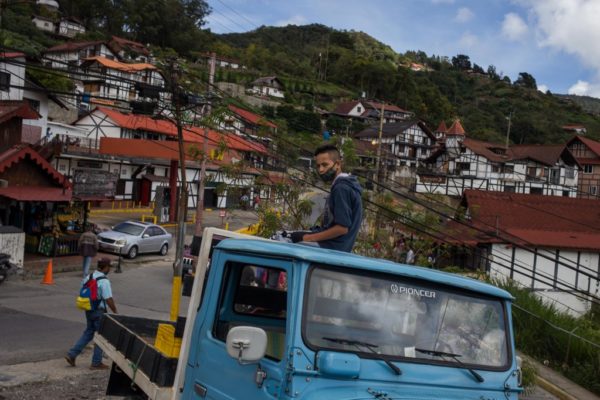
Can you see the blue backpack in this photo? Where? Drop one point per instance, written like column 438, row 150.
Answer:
column 88, row 299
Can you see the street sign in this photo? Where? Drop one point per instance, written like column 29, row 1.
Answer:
column 222, row 213
column 92, row 183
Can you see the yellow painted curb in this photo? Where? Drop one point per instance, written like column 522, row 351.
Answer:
column 121, row 210
column 553, row 389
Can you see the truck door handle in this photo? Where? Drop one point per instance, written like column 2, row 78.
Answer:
column 200, row 390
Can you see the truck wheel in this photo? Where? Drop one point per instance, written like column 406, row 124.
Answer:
column 164, row 249
column 133, row 252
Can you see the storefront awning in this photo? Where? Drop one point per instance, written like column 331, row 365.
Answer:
column 36, row 193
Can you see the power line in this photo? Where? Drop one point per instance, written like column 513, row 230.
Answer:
column 413, row 199
column 417, row 201
column 596, row 345
column 230, row 19
column 235, row 12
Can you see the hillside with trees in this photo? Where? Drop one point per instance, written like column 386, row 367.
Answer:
column 447, row 88
column 321, row 66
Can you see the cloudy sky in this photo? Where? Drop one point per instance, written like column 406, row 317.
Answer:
column 557, row 41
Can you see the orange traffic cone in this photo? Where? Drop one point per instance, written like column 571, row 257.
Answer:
column 48, row 275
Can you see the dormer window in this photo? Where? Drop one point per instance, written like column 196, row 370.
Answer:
column 359, row 109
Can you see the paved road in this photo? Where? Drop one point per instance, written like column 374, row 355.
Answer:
column 39, row 322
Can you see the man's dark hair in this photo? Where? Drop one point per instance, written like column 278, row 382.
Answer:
column 103, row 263
column 330, row 149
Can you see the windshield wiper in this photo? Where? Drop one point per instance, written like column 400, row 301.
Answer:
column 443, row 354
column 370, row 346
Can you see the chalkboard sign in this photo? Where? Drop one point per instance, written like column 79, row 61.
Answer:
column 93, row 183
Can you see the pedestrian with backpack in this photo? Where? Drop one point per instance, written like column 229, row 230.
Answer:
column 94, row 297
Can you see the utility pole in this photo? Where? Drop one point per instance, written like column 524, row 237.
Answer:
column 200, row 205
column 509, row 118
column 378, row 167
column 183, row 196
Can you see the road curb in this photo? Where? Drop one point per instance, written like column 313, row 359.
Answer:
column 553, row 389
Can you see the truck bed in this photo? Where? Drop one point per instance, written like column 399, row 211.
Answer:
column 129, row 342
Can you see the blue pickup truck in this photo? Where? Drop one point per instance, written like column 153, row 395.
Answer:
column 286, row 321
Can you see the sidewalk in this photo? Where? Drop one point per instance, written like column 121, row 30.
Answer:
column 34, row 265
column 558, row 385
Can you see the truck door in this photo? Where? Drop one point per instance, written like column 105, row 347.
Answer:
column 252, row 291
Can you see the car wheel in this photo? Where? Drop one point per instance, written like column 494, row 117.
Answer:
column 164, row 249
column 133, row 252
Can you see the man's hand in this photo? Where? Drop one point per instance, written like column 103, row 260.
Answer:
column 297, row 236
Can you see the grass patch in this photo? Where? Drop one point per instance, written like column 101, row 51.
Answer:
column 555, row 338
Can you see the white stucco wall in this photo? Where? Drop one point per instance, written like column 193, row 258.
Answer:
column 543, row 266
column 14, row 245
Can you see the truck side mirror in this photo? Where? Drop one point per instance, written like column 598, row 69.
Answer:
column 246, row 343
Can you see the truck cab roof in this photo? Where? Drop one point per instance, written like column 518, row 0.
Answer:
column 341, row 259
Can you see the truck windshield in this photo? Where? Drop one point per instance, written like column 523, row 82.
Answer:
column 401, row 317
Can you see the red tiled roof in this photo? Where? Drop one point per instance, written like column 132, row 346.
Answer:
column 165, row 150
column 591, row 144
column 17, row 109
column 72, row 46
column 573, row 127
column 345, row 108
column 112, row 64
column 190, row 134
column 130, row 45
column 251, row 117
column 584, row 161
column 442, row 127
column 139, row 122
column 231, row 141
column 36, row 193
column 11, row 55
column 386, row 107
column 17, row 153
column 554, row 221
column 456, row 129
column 485, row 149
column 545, row 154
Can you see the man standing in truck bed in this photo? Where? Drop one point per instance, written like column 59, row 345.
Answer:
column 343, row 210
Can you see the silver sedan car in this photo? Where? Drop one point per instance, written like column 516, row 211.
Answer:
column 131, row 238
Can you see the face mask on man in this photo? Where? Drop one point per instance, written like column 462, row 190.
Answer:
column 329, row 175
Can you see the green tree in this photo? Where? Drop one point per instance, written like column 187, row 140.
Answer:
column 526, row 80
column 461, row 62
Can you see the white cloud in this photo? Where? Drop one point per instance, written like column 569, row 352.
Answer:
column 570, row 26
column 464, row 14
column 543, row 88
column 513, row 27
column 293, row 20
column 468, row 40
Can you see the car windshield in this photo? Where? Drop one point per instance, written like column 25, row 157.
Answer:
column 402, row 318
column 129, row 229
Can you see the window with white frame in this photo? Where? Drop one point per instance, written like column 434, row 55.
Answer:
column 588, row 169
